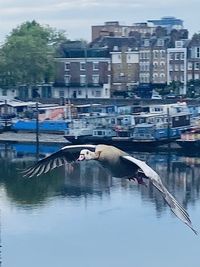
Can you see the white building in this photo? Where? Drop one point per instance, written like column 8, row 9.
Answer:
column 177, row 65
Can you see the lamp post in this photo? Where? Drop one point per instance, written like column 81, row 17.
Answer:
column 68, row 100
column 86, row 76
column 37, row 131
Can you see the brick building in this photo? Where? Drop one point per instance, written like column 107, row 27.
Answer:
column 83, row 73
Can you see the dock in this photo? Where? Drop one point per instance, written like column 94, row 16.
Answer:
column 44, row 138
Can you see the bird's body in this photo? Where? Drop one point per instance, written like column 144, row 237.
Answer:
column 119, row 163
column 111, row 158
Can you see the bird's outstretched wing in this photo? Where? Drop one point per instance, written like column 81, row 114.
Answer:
column 155, row 179
column 66, row 154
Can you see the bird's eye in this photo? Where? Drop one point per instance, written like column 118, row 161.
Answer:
column 87, row 152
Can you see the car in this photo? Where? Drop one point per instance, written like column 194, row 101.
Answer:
column 171, row 96
column 156, row 97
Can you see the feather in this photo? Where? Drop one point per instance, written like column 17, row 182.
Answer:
column 155, row 179
column 64, row 155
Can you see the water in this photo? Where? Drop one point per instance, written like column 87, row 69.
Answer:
column 86, row 218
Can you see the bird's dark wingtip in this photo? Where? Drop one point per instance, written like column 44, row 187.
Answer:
column 194, row 231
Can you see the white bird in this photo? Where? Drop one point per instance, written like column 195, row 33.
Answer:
column 118, row 162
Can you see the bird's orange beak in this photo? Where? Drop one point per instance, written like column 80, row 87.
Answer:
column 81, row 157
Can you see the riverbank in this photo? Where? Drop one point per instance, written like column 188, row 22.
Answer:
column 44, row 138
column 53, row 139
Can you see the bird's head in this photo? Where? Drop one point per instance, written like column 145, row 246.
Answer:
column 86, row 154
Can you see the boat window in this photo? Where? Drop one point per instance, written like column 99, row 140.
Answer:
column 158, row 109
column 82, row 66
column 142, row 120
column 67, row 66
column 99, row 133
column 176, row 118
column 61, row 93
column 95, row 65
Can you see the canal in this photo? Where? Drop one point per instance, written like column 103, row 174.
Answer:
column 82, row 217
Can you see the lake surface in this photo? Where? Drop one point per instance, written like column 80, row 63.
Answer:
column 85, row 218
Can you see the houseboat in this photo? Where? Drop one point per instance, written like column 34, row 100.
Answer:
column 83, row 128
column 190, row 140
column 155, row 126
column 46, row 126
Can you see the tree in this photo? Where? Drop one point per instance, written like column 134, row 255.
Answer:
column 174, row 87
column 193, row 88
column 27, row 57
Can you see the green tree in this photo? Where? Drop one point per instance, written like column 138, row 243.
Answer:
column 27, row 57
column 193, row 88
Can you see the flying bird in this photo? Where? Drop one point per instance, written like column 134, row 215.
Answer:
column 116, row 161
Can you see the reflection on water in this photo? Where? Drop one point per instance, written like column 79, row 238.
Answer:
column 181, row 174
column 89, row 182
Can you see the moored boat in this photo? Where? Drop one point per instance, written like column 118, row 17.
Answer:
column 46, row 126
column 190, row 140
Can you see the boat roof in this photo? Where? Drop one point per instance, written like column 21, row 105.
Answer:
column 146, row 125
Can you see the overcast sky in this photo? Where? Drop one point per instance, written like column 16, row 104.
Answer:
column 77, row 16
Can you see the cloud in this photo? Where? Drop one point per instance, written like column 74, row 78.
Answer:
column 77, row 16
column 11, row 7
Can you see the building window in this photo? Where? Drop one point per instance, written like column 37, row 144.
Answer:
column 67, row 79
column 146, row 67
column 109, row 79
column 141, row 55
column 61, row 93
column 82, row 66
column 109, row 66
column 189, row 65
column 67, row 66
column 95, row 79
column 141, row 67
column 155, row 54
column 95, row 65
column 82, row 79
column 155, row 65
column 146, row 55
column 177, row 56
column 182, row 56
column 176, row 67
column 79, row 92
column 146, row 79
column 162, row 53
column 182, row 67
column 162, row 77
column 155, row 77
column 171, row 56
column 141, row 78
column 97, row 93
column 171, row 67
column 198, row 52
column 162, row 65
column 197, row 65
